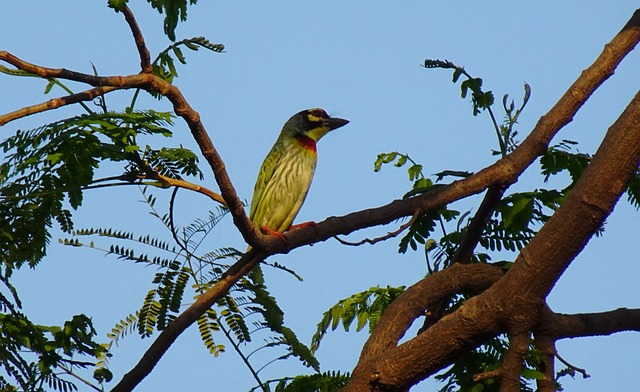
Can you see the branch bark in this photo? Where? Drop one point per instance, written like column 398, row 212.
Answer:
column 138, row 38
column 514, row 301
column 563, row 326
column 547, row 346
column 416, row 299
column 513, row 361
column 55, row 103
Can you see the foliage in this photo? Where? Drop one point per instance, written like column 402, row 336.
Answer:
column 247, row 310
column 45, row 164
column 33, row 355
column 47, row 170
column 175, row 11
column 164, row 65
column 366, row 307
column 320, row 382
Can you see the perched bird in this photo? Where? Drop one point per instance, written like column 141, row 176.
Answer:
column 287, row 171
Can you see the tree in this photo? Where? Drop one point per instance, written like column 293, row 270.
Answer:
column 480, row 316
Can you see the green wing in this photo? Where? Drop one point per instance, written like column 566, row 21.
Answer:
column 266, row 174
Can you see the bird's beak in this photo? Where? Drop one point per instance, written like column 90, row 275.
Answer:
column 335, row 123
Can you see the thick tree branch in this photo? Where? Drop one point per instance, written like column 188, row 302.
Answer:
column 513, row 361
column 513, row 302
column 562, row 326
column 547, row 346
column 416, row 299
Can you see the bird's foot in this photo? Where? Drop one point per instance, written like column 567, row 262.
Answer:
column 303, row 225
column 268, row 231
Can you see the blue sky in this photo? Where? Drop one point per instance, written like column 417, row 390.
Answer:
column 361, row 61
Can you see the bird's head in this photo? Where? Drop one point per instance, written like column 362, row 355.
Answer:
column 314, row 123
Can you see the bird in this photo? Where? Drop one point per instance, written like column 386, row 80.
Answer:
column 287, row 171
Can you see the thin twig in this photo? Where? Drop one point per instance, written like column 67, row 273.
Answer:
column 487, row 375
column 55, row 103
column 577, row 369
column 174, row 234
column 83, row 380
column 478, row 223
column 392, row 234
column 178, row 183
column 145, row 56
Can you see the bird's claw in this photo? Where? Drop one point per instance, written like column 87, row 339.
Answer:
column 303, row 225
column 268, row 231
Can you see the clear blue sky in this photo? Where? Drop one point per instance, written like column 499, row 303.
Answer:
column 361, row 61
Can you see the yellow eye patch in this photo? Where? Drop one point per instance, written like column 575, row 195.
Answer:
column 313, row 118
column 316, row 115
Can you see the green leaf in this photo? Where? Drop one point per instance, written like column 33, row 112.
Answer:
column 358, row 307
column 175, row 11
column 521, row 213
column 118, row 5
column 49, row 86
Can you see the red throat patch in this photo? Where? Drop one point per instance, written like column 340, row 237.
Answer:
column 306, row 142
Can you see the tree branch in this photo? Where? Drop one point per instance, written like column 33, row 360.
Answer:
column 416, row 299
column 151, row 83
column 546, row 345
column 478, row 223
column 166, row 338
column 55, row 103
column 166, row 182
column 562, row 326
column 514, row 301
column 145, row 56
column 512, row 363
column 385, row 237
column 577, row 369
column 467, row 245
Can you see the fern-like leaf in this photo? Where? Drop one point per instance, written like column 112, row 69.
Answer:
column 360, row 307
column 207, row 324
column 320, row 382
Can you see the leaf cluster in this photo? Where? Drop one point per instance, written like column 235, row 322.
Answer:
column 366, row 307
column 175, row 11
column 248, row 309
column 319, row 382
column 53, row 164
column 164, row 65
column 51, row 349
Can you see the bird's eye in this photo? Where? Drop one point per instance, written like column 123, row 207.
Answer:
column 318, row 113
